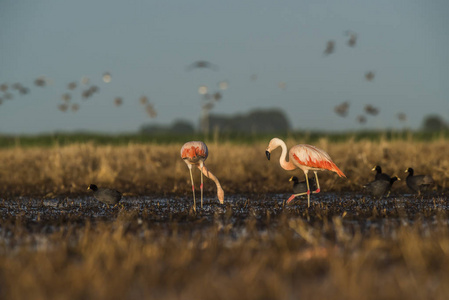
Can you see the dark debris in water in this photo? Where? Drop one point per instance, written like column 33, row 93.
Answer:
column 265, row 211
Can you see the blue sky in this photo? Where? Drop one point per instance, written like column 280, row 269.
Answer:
column 146, row 46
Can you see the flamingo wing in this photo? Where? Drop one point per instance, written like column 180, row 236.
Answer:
column 194, row 151
column 313, row 157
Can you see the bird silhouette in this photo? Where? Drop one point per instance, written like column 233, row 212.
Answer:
column 202, row 64
column 352, row 38
column 330, row 47
column 369, row 76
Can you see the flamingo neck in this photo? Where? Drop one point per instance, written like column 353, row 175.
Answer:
column 286, row 165
column 208, row 174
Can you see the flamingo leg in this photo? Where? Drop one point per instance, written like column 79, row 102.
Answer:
column 193, row 187
column 308, row 189
column 317, row 183
column 201, row 186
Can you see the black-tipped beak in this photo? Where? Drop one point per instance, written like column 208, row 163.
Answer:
column 267, row 153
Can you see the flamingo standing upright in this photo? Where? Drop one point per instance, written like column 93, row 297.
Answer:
column 304, row 157
column 194, row 154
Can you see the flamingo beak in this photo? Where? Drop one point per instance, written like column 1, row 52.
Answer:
column 267, row 153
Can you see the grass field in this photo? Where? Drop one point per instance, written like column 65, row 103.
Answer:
column 58, row 243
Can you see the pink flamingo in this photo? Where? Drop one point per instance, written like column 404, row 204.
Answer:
column 304, row 157
column 194, row 154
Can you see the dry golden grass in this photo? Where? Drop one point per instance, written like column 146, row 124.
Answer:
column 158, row 169
column 339, row 249
column 129, row 259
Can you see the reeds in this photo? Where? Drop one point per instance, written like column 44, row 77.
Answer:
column 158, row 169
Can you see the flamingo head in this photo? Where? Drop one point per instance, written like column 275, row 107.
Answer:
column 273, row 144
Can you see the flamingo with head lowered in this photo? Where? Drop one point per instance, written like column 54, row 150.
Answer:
column 194, row 154
column 304, row 157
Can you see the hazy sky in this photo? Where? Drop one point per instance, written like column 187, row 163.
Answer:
column 147, row 45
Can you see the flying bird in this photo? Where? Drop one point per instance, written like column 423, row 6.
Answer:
column 194, row 154
column 306, row 158
column 361, row 119
column 369, row 76
column 352, row 38
column 342, row 109
column 71, row 85
column 75, row 107
column 402, row 117
column 143, row 100
column 379, row 174
column 330, row 47
column 118, row 101
column 371, row 110
column 202, row 64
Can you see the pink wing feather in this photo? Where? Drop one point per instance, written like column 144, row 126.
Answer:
column 313, row 157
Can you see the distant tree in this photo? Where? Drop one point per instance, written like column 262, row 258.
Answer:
column 177, row 127
column 257, row 121
column 434, row 123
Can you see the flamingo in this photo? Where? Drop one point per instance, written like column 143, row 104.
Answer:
column 194, row 154
column 304, row 157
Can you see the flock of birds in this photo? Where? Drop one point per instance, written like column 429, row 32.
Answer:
column 343, row 108
column 69, row 102
column 304, row 157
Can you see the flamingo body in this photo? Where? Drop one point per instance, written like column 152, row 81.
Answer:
column 194, row 154
column 304, row 157
column 308, row 157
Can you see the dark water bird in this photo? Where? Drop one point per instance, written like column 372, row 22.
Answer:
column 104, row 195
column 418, row 183
column 379, row 174
column 330, row 47
column 342, row 109
column 3, row 87
column 202, row 64
column 194, row 154
column 371, row 110
column 8, row 96
column 369, row 76
column 380, row 187
column 301, row 186
column 304, row 157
